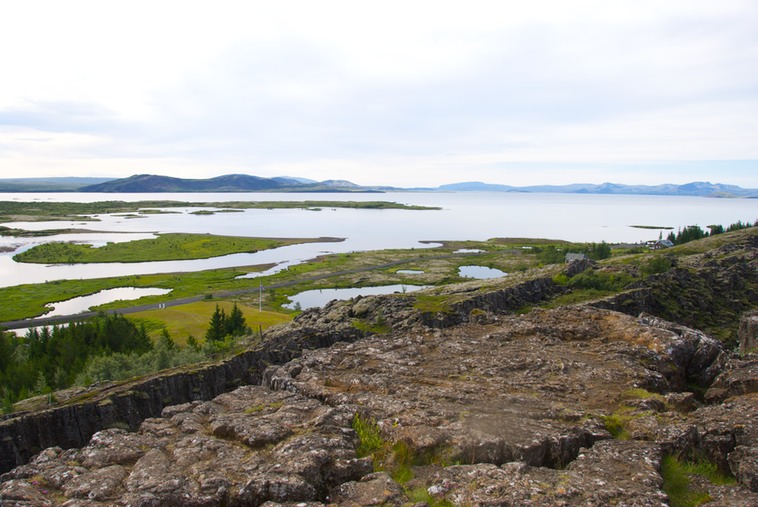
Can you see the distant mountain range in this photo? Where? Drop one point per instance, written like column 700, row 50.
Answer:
column 698, row 188
column 71, row 184
column 148, row 183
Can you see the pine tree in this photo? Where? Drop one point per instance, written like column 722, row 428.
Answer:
column 165, row 341
column 217, row 326
column 235, row 324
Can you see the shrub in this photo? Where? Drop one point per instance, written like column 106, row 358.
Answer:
column 601, row 280
column 658, row 264
column 599, row 251
column 550, row 254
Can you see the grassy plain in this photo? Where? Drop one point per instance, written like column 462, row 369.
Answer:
column 165, row 247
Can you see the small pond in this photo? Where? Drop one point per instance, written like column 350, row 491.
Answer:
column 480, row 272
column 320, row 297
column 409, row 272
column 84, row 303
column 469, row 250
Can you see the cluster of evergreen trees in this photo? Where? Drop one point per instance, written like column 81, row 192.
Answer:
column 107, row 347
column 693, row 232
column 51, row 358
column 222, row 325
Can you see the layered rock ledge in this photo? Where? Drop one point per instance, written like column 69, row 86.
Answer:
column 519, row 411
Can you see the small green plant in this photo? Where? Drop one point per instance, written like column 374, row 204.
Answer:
column 616, row 425
column 676, row 474
column 420, row 494
column 403, row 458
column 711, row 472
column 375, row 328
column 369, row 435
column 432, row 304
column 402, row 463
column 397, row 459
column 263, row 406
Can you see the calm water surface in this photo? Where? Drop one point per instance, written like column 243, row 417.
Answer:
column 85, row 303
column 464, row 216
column 480, row 272
column 320, row 297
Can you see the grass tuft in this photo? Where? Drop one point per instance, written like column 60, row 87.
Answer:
column 616, row 425
column 369, row 435
column 421, row 495
column 676, row 474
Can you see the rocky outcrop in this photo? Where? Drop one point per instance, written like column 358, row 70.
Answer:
column 243, row 448
column 127, row 405
column 495, row 302
column 521, row 412
column 610, row 473
column 708, row 291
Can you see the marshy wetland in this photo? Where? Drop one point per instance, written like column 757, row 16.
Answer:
column 56, row 247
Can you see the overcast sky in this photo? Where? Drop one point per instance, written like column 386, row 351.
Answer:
column 399, row 93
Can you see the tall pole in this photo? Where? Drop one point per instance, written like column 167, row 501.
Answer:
column 260, row 297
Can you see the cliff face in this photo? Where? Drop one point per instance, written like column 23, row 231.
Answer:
column 465, row 402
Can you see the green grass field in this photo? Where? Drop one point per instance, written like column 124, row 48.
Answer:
column 192, row 319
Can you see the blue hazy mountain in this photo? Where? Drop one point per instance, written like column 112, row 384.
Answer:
column 149, row 183
column 698, row 188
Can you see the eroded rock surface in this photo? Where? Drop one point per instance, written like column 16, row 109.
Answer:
column 243, row 448
column 520, row 412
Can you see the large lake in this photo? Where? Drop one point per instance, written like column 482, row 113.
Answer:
column 464, row 215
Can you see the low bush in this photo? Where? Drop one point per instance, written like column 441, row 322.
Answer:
column 658, row 264
column 601, row 280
